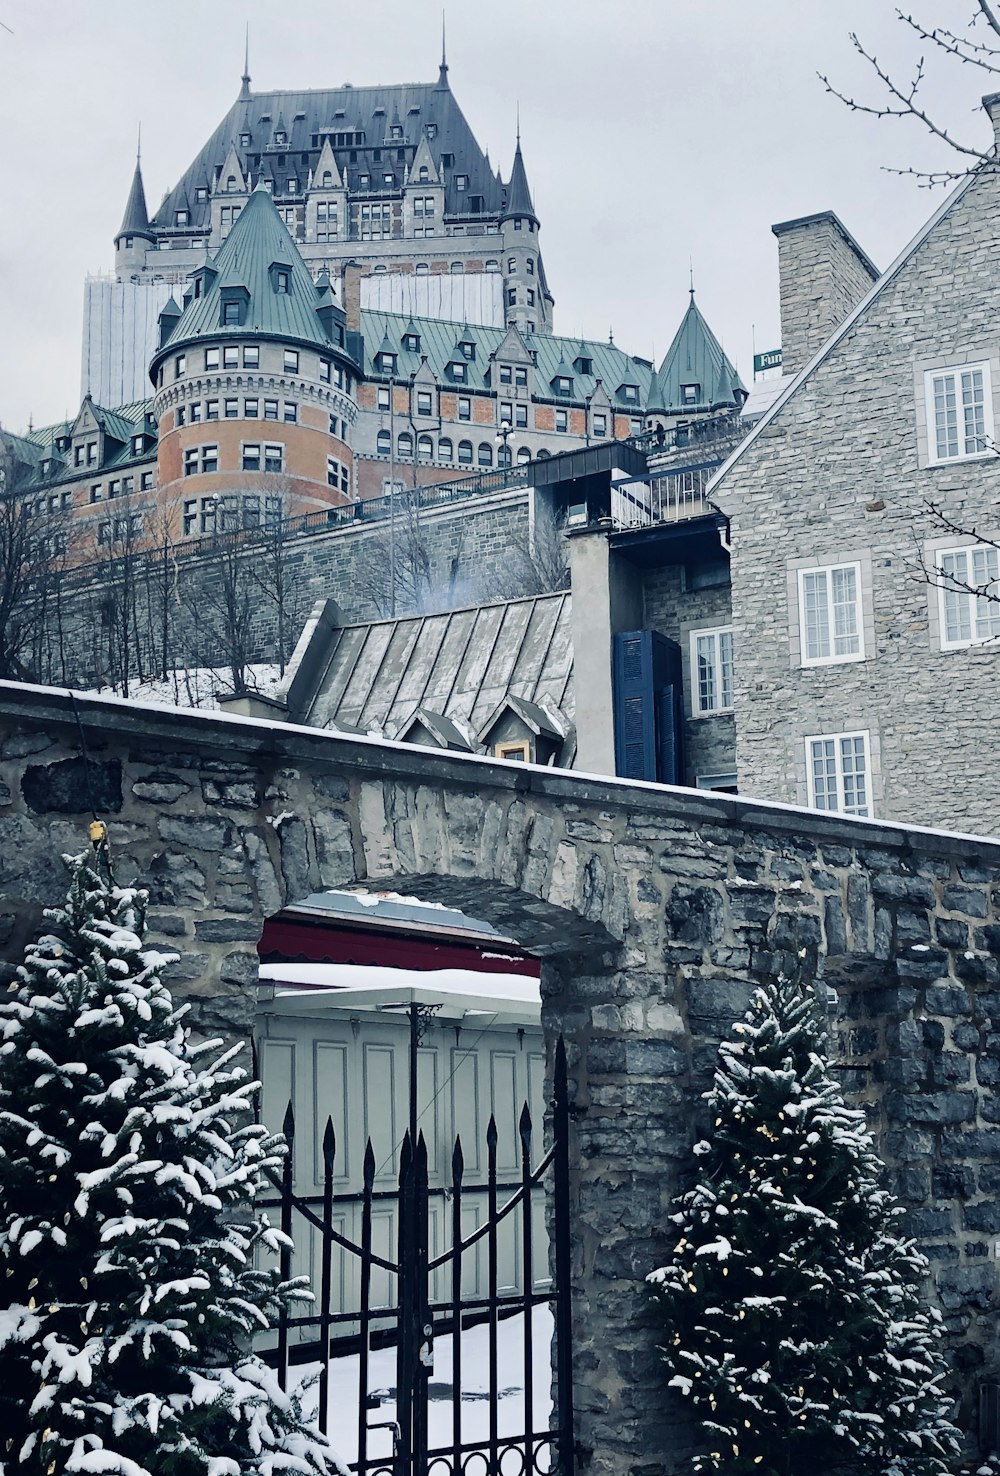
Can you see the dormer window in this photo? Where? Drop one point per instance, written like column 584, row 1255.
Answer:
column 180, row 217
column 234, row 306
column 467, row 349
column 292, row 186
column 423, row 176
column 432, row 130
column 461, row 182
column 201, row 193
column 562, row 385
column 583, row 365
column 690, row 393
column 630, row 393
column 280, row 138
column 395, row 131
column 387, row 363
column 411, row 342
column 281, row 277
column 458, row 369
column 244, row 140
column 230, row 182
column 137, row 444
column 365, row 180
column 387, row 179
column 327, row 179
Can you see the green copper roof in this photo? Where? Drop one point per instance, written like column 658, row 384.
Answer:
column 439, row 340
column 244, row 263
column 518, row 194
column 695, row 358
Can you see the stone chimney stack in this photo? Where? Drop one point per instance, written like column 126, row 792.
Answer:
column 822, row 273
column 350, row 294
column 991, row 102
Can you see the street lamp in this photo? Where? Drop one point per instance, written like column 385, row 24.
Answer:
column 502, row 437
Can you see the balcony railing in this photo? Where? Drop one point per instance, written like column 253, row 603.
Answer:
column 672, row 497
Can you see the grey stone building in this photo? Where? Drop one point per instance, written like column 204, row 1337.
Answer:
column 861, row 508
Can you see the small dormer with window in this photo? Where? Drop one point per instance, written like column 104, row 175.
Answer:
column 562, row 382
column 280, row 276
column 427, row 729
column 523, row 732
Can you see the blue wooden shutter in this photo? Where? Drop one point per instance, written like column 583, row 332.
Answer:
column 635, row 716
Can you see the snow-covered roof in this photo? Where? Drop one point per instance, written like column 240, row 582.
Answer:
column 316, row 988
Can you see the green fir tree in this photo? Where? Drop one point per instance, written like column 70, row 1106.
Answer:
column 792, row 1311
column 129, row 1163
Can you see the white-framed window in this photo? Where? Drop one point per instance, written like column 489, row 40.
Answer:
column 968, row 595
column 959, row 412
column 830, row 614
column 711, row 671
column 838, row 772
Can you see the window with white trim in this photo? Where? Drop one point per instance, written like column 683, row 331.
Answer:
column 830, row 614
column 968, row 595
column 959, row 412
column 711, row 671
column 838, row 772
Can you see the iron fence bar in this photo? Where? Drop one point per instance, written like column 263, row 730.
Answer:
column 457, row 1169
column 425, row 1327
column 407, row 1273
column 285, row 1262
column 502, row 1213
column 527, row 1282
column 564, row 1310
column 491, row 1213
column 364, row 1321
column 326, row 1274
column 316, row 1220
column 438, row 1191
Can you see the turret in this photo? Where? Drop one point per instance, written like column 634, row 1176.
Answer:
column 134, row 237
column 526, row 304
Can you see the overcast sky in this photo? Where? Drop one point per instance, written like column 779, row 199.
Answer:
column 655, row 132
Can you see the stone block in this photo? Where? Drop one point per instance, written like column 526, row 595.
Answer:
column 982, row 1217
column 947, row 999
column 968, row 900
column 72, row 787
column 931, row 1108
column 161, row 787
column 194, row 832
column 696, row 914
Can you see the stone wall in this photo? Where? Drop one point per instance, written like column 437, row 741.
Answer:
column 823, row 274
column 654, row 911
column 458, row 554
column 841, row 473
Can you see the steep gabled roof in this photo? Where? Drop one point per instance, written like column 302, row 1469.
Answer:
column 257, row 243
column 135, row 221
column 421, row 107
column 695, row 357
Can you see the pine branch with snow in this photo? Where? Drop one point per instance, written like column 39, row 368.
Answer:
column 129, row 1165
column 792, row 1309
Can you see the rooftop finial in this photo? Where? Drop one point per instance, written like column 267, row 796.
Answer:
column 245, row 79
column 443, row 71
column 138, row 146
column 517, row 120
column 691, row 276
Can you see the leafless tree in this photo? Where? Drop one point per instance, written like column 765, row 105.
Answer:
column 34, row 543
column 969, row 537
column 220, row 598
column 974, row 44
column 539, row 559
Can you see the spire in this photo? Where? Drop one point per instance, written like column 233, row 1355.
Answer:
column 245, row 89
column 518, row 194
column 135, row 221
column 695, row 364
column 443, row 69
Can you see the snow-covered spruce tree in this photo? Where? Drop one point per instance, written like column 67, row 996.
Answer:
column 791, row 1306
column 128, row 1168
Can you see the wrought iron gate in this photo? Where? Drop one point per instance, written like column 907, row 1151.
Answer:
column 414, row 1321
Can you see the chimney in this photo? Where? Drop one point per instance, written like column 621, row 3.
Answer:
column 991, row 102
column 350, row 294
column 822, row 274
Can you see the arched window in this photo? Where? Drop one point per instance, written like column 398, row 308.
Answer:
column 492, row 265
column 446, row 451
column 421, row 269
column 424, row 176
column 458, row 266
column 543, row 455
column 384, row 443
column 465, row 453
column 327, row 178
column 523, row 455
column 425, row 448
column 503, row 457
column 231, row 182
column 485, row 453
column 404, row 444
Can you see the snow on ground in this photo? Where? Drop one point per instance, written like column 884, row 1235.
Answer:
column 199, row 686
column 475, row 1407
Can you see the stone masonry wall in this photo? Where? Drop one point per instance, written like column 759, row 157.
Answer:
column 463, row 552
column 841, row 473
column 674, row 610
column 654, row 911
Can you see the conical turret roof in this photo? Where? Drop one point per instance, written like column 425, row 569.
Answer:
column 518, row 194
column 135, row 221
column 695, row 357
column 257, row 247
